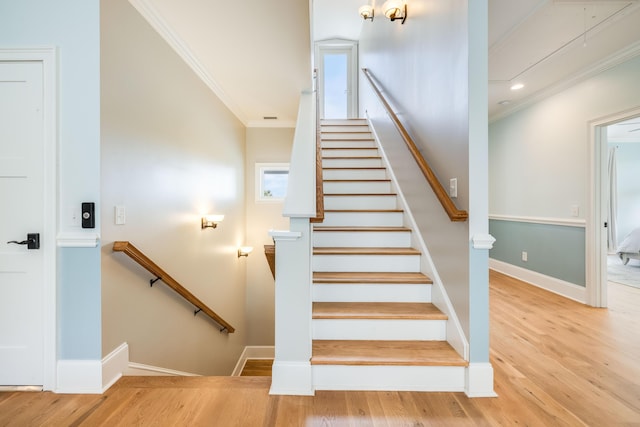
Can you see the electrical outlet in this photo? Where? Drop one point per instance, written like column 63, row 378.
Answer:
column 524, row 256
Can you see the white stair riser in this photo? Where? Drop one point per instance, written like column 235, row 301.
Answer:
column 371, row 292
column 364, row 219
column 376, row 239
column 342, row 122
column 351, row 163
column 354, row 174
column 355, row 187
column 342, row 143
column 379, row 329
column 345, row 128
column 401, row 378
column 326, row 136
column 349, row 152
column 372, row 263
column 352, row 202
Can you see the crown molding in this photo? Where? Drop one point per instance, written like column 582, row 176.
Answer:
column 607, row 63
column 153, row 17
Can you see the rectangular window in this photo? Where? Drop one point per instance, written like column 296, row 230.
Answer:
column 271, row 181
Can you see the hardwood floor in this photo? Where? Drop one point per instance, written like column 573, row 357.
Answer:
column 556, row 362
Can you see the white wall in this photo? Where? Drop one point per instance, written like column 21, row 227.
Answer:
column 264, row 145
column 423, row 69
column 171, row 151
column 539, row 155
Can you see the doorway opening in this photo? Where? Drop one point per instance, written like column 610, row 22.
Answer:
column 337, row 78
column 615, row 145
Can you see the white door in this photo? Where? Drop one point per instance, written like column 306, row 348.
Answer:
column 21, row 213
column 338, row 80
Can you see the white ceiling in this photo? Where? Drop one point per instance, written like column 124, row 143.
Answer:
column 256, row 55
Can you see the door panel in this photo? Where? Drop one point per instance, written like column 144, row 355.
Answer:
column 22, row 212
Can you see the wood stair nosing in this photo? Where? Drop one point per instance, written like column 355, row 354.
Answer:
column 385, row 353
column 377, row 310
column 370, row 277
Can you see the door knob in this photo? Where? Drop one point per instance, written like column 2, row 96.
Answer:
column 32, row 242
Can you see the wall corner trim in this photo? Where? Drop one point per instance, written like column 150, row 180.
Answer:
column 292, row 378
column 79, row 377
column 114, row 364
column 483, row 241
column 479, row 380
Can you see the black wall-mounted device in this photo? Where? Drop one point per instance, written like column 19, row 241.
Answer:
column 88, row 215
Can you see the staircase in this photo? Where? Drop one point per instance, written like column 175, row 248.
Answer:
column 374, row 326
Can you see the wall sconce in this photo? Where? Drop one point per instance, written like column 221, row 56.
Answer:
column 395, row 9
column 244, row 251
column 211, row 221
column 366, row 11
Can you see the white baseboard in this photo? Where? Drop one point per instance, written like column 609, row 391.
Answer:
column 291, row 378
column 253, row 352
column 479, row 380
column 114, row 364
column 141, row 370
column 79, row 377
column 551, row 284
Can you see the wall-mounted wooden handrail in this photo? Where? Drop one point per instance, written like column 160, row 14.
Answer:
column 160, row 274
column 450, row 208
column 319, row 184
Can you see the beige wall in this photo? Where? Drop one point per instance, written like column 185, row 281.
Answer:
column 171, row 151
column 264, row 145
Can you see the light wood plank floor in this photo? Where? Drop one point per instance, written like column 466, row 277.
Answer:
column 557, row 363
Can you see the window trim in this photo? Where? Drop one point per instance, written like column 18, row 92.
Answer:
column 260, row 169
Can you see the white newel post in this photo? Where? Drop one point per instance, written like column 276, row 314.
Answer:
column 291, row 372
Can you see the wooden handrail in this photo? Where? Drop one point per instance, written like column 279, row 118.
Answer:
column 450, row 208
column 319, row 184
column 135, row 254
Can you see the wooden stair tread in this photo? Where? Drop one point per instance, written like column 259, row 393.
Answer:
column 361, row 229
column 364, row 210
column 358, row 168
column 394, row 353
column 355, row 180
column 370, row 277
column 350, row 158
column 364, row 251
column 359, row 194
column 377, row 310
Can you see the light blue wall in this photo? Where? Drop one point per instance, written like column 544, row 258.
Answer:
column 553, row 250
column 73, row 27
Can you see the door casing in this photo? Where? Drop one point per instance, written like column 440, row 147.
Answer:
column 596, row 233
column 339, row 46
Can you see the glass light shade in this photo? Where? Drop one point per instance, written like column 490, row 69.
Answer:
column 366, row 11
column 211, row 221
column 244, row 251
column 214, row 218
column 392, row 8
